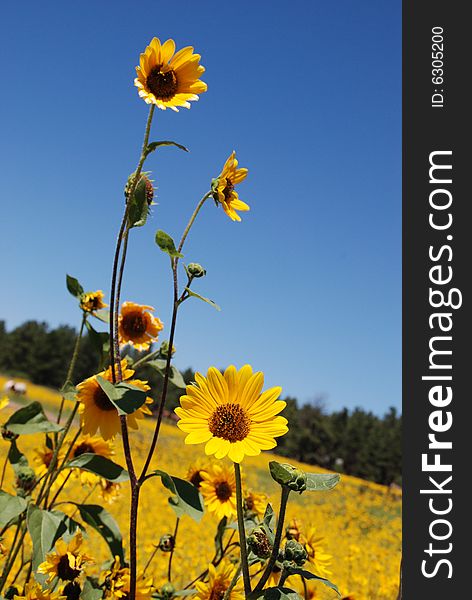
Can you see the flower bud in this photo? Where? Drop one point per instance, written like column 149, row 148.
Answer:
column 148, row 183
column 25, row 480
column 259, row 543
column 8, row 435
column 167, row 590
column 164, row 349
column 196, row 270
column 295, row 552
column 288, row 476
column 167, row 543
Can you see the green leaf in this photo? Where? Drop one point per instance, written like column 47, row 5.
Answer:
column 190, row 592
column 158, row 364
column 154, row 145
column 166, row 244
column 186, row 500
column 309, row 575
column 45, row 528
column 176, row 378
column 319, row 482
column 101, row 520
column 10, row 507
column 70, row 525
column 275, row 593
column 138, row 208
column 99, row 339
column 219, row 537
column 268, row 523
column 127, row 398
column 207, row 300
column 102, row 315
column 69, row 392
column 30, row 419
column 104, row 467
column 90, row 592
column 74, row 286
column 16, row 458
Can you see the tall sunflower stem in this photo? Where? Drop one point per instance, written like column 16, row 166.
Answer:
column 278, row 538
column 171, row 555
column 242, row 531
column 176, row 303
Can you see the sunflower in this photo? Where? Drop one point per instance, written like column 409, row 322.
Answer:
column 137, row 326
column 218, row 488
column 88, row 444
column 109, row 491
column 92, row 301
column 33, row 591
column 224, row 191
column 218, row 582
column 117, row 583
column 42, row 459
column 96, row 410
column 195, row 473
column 168, row 79
column 255, row 503
column 231, row 414
column 67, row 562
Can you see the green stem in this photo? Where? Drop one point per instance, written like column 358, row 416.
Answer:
column 73, row 360
column 167, row 371
column 13, row 554
column 283, row 577
column 171, row 555
column 242, row 531
column 4, row 469
column 278, row 538
column 61, row 487
column 150, row 559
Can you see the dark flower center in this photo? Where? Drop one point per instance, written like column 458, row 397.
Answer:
column 218, row 590
column 249, row 503
column 230, row 422
column 196, row 479
column 228, row 190
column 47, row 458
column 162, row 85
column 84, row 448
column 72, row 591
column 223, row 490
column 65, row 571
column 133, row 324
column 101, row 400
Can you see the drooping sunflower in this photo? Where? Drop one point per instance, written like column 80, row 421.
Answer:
column 96, row 410
column 33, row 591
column 218, row 488
column 137, row 326
column 225, row 194
column 218, row 582
column 92, row 301
column 169, row 79
column 255, row 503
column 231, row 414
column 88, row 444
column 67, row 562
column 116, row 583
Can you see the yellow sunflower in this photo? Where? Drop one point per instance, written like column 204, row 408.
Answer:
column 67, row 562
column 194, row 473
column 88, row 444
column 231, row 414
column 225, row 193
column 318, row 559
column 117, row 583
column 255, row 503
column 218, row 488
column 92, row 301
column 137, row 326
column 169, row 79
column 33, row 591
column 109, row 491
column 218, row 582
column 42, row 459
column 96, row 410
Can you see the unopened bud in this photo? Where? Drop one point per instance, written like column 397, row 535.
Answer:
column 167, row 543
column 288, row 476
column 196, row 270
column 8, row 435
column 167, row 590
column 259, row 543
column 164, row 350
column 295, row 552
column 25, row 480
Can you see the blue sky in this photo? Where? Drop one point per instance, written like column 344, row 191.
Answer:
column 307, row 93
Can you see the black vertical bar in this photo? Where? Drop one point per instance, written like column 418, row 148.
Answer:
column 436, row 119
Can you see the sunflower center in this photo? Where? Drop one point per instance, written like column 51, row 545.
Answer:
column 101, row 400
column 249, row 502
column 72, row 591
column 228, row 190
column 65, row 571
column 47, row 458
column 218, row 590
column 230, row 422
column 134, row 325
column 84, row 448
column 162, row 85
column 223, row 490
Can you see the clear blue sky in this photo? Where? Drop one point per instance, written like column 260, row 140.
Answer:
column 308, row 93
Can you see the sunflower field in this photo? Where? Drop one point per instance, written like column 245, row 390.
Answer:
column 101, row 498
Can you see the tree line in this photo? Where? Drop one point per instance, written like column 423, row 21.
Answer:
column 355, row 442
